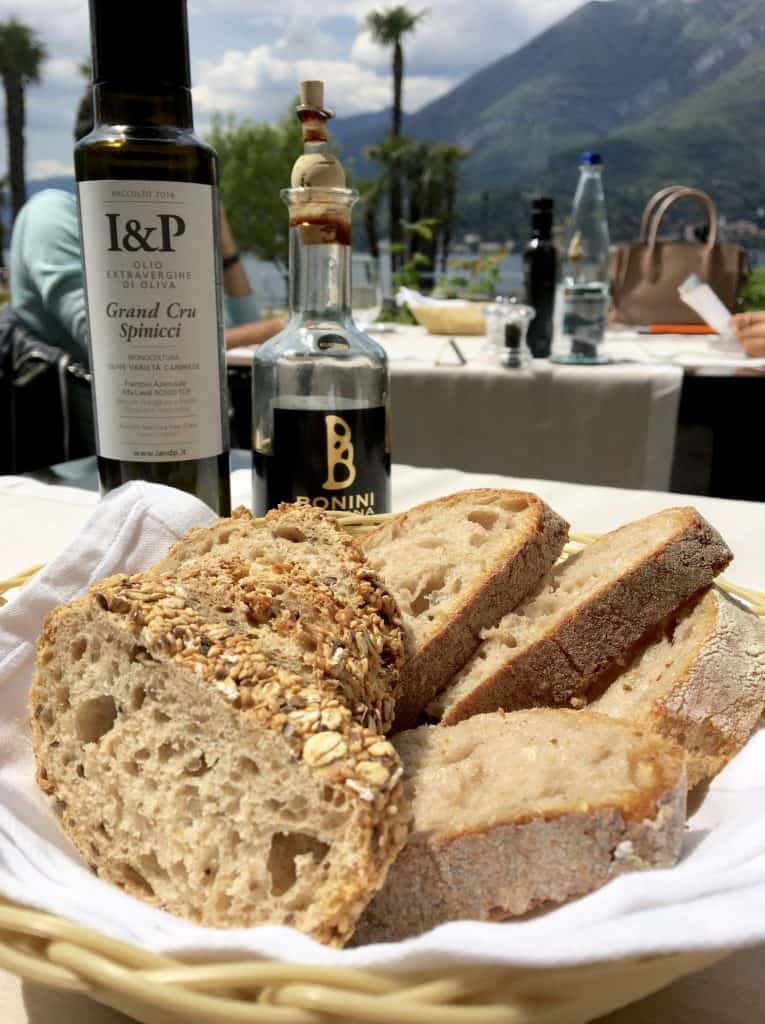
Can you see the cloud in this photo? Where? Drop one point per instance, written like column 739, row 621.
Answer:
column 61, row 24
column 259, row 83
column 452, row 40
column 50, row 169
column 249, row 55
column 62, row 69
column 456, row 38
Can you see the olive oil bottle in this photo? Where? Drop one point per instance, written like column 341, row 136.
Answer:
column 149, row 217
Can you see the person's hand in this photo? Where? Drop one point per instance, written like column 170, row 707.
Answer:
column 254, row 333
column 749, row 328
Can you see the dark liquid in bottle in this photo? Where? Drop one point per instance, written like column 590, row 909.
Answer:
column 540, row 265
column 208, row 479
column 337, row 461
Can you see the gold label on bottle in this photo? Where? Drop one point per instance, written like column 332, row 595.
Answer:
column 336, row 461
column 152, row 282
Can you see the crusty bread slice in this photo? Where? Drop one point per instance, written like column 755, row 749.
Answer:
column 302, row 536
column 206, row 750
column 513, row 811
column 590, row 614
column 455, row 566
column 701, row 682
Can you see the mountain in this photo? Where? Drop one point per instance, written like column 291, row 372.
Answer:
column 668, row 90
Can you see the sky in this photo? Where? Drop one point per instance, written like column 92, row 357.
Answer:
column 247, row 57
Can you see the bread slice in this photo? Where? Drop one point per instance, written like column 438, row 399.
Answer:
column 515, row 811
column 207, row 751
column 455, row 566
column 302, row 536
column 701, row 682
column 590, row 614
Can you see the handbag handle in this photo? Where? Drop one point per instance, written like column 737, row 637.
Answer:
column 705, row 201
column 650, row 208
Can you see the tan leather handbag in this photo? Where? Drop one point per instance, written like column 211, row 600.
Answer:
column 645, row 275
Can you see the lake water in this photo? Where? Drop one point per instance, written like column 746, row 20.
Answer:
column 270, row 283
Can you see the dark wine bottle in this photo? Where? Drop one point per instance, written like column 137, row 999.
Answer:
column 539, row 276
column 149, row 218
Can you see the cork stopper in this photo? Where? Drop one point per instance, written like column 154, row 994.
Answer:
column 312, row 99
column 317, row 167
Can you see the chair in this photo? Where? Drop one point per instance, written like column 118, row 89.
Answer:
column 46, row 413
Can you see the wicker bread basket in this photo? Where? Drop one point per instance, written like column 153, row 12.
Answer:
column 451, row 319
column 160, row 989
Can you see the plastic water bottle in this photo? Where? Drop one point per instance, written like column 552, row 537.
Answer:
column 581, row 301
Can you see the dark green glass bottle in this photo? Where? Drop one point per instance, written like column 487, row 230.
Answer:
column 149, row 216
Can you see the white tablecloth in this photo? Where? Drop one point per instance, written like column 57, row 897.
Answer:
column 613, row 425
column 36, row 522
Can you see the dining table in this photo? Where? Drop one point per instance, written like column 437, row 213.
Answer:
column 452, row 405
column 666, row 412
column 41, row 513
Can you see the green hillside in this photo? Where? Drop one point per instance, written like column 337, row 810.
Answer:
column 669, row 90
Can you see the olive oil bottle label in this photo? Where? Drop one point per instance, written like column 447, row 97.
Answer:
column 332, row 460
column 152, row 282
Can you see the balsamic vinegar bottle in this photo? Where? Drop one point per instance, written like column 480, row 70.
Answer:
column 149, row 214
column 320, row 387
column 539, row 277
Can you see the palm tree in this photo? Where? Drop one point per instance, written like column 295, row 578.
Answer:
column 371, row 194
column 446, row 159
column 21, row 55
column 388, row 27
column 391, row 154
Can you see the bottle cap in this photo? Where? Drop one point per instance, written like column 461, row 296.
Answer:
column 316, row 167
column 312, row 99
column 590, row 159
column 142, row 45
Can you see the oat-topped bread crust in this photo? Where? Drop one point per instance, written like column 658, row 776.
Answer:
column 516, row 811
column 587, row 616
column 295, row 533
column 206, row 741
column 456, row 565
column 700, row 682
column 305, row 537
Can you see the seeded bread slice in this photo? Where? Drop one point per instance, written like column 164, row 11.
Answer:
column 701, row 682
column 515, row 811
column 455, row 566
column 302, row 536
column 202, row 759
column 587, row 616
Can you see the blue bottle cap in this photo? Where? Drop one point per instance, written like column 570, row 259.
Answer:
column 591, row 159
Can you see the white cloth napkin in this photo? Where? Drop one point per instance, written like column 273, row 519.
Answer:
column 715, row 897
column 409, row 297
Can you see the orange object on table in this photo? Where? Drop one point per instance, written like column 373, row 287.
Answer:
column 676, row 329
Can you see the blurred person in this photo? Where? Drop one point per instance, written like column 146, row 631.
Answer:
column 749, row 328
column 47, row 289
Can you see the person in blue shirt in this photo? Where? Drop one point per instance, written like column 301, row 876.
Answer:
column 47, row 288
